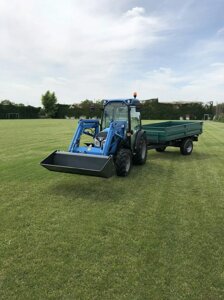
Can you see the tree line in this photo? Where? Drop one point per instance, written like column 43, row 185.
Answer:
column 150, row 109
column 10, row 110
column 219, row 112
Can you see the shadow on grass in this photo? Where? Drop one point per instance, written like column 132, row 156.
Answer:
column 87, row 187
column 177, row 155
column 101, row 189
column 115, row 189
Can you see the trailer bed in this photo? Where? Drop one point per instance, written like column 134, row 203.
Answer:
column 164, row 132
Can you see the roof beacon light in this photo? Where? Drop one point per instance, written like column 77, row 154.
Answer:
column 135, row 95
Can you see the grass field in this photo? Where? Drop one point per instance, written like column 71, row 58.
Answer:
column 157, row 234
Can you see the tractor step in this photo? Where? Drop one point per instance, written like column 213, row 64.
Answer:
column 80, row 163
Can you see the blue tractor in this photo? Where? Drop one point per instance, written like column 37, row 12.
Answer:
column 116, row 143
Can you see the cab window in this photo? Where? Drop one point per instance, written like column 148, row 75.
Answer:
column 135, row 119
column 114, row 112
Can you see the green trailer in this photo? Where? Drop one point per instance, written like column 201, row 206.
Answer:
column 172, row 133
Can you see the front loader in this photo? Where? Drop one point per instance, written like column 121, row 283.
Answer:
column 116, row 142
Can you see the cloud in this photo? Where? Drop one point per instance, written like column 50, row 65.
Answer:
column 51, row 39
column 220, row 32
column 206, row 86
column 135, row 12
column 102, row 48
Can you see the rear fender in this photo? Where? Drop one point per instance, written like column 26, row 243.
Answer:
column 139, row 134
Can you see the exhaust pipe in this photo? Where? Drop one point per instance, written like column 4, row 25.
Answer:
column 79, row 163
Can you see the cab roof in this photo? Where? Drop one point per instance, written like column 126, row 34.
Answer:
column 129, row 101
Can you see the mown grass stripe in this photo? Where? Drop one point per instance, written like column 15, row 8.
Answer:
column 157, row 234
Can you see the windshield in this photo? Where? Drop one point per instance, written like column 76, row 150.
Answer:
column 114, row 112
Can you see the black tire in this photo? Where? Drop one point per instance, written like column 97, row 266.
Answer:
column 123, row 162
column 140, row 156
column 186, row 146
column 161, row 149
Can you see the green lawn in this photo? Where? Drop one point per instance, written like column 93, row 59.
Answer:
column 157, row 234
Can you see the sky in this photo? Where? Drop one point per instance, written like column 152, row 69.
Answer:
column 168, row 49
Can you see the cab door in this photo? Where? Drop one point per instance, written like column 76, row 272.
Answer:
column 135, row 120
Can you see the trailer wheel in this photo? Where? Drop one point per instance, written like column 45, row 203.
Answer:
column 186, row 146
column 123, row 162
column 161, row 149
column 141, row 152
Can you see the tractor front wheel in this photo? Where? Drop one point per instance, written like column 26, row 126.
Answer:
column 123, row 162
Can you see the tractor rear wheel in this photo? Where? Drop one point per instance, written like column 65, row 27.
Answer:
column 141, row 152
column 123, row 162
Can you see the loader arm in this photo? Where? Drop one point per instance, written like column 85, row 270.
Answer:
column 82, row 125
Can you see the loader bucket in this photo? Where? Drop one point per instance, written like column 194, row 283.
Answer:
column 77, row 163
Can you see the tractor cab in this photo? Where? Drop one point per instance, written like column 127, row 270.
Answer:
column 121, row 110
